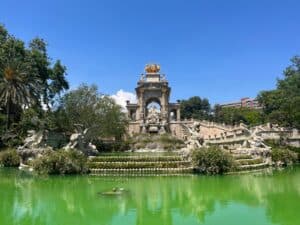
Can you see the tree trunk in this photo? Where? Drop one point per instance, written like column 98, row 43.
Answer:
column 8, row 107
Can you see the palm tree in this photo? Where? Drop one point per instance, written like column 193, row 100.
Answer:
column 17, row 88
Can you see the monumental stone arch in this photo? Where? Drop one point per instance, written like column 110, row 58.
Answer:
column 152, row 113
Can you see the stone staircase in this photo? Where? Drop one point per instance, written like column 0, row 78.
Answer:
column 139, row 164
column 248, row 162
column 185, row 131
column 152, row 163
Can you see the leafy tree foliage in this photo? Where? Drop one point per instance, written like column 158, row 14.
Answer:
column 28, row 78
column 195, row 108
column 96, row 112
column 233, row 116
column 282, row 105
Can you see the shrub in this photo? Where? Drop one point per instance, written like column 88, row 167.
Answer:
column 212, row 161
column 284, row 156
column 113, row 146
column 168, row 139
column 9, row 158
column 282, row 144
column 296, row 150
column 61, row 162
column 11, row 139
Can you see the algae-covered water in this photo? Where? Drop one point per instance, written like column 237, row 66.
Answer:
column 248, row 199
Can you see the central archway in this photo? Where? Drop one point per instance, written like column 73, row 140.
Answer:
column 152, row 104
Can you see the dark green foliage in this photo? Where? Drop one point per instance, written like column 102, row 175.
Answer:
column 284, row 156
column 195, row 108
column 212, row 161
column 169, row 139
column 231, row 115
column 61, row 162
column 112, row 146
column 282, row 105
column 28, row 78
column 281, row 144
column 57, row 140
column 29, row 81
column 9, row 158
column 294, row 149
column 94, row 111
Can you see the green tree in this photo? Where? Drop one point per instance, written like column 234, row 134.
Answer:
column 18, row 89
column 27, row 76
column 86, row 107
column 52, row 77
column 282, row 105
column 195, row 108
column 231, row 115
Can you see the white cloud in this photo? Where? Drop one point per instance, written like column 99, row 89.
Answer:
column 122, row 96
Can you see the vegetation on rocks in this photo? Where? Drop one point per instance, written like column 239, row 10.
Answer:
column 61, row 162
column 283, row 157
column 283, row 153
column 212, row 161
column 9, row 158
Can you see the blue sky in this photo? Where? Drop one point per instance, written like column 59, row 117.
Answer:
column 222, row 50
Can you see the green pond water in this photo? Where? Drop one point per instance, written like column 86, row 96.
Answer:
column 267, row 198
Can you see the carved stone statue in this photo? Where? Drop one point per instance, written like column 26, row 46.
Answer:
column 35, row 139
column 194, row 140
column 162, row 129
column 153, row 115
column 78, row 141
column 35, row 144
column 255, row 141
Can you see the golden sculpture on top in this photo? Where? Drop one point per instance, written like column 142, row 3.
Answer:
column 152, row 68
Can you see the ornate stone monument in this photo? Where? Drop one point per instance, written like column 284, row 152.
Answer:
column 79, row 142
column 152, row 113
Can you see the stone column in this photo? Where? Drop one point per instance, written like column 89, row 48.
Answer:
column 140, row 110
column 178, row 114
column 163, row 102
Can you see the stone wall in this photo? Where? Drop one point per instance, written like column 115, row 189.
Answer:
column 225, row 135
column 177, row 130
column 133, row 128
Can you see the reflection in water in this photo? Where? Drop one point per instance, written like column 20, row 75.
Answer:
column 236, row 199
